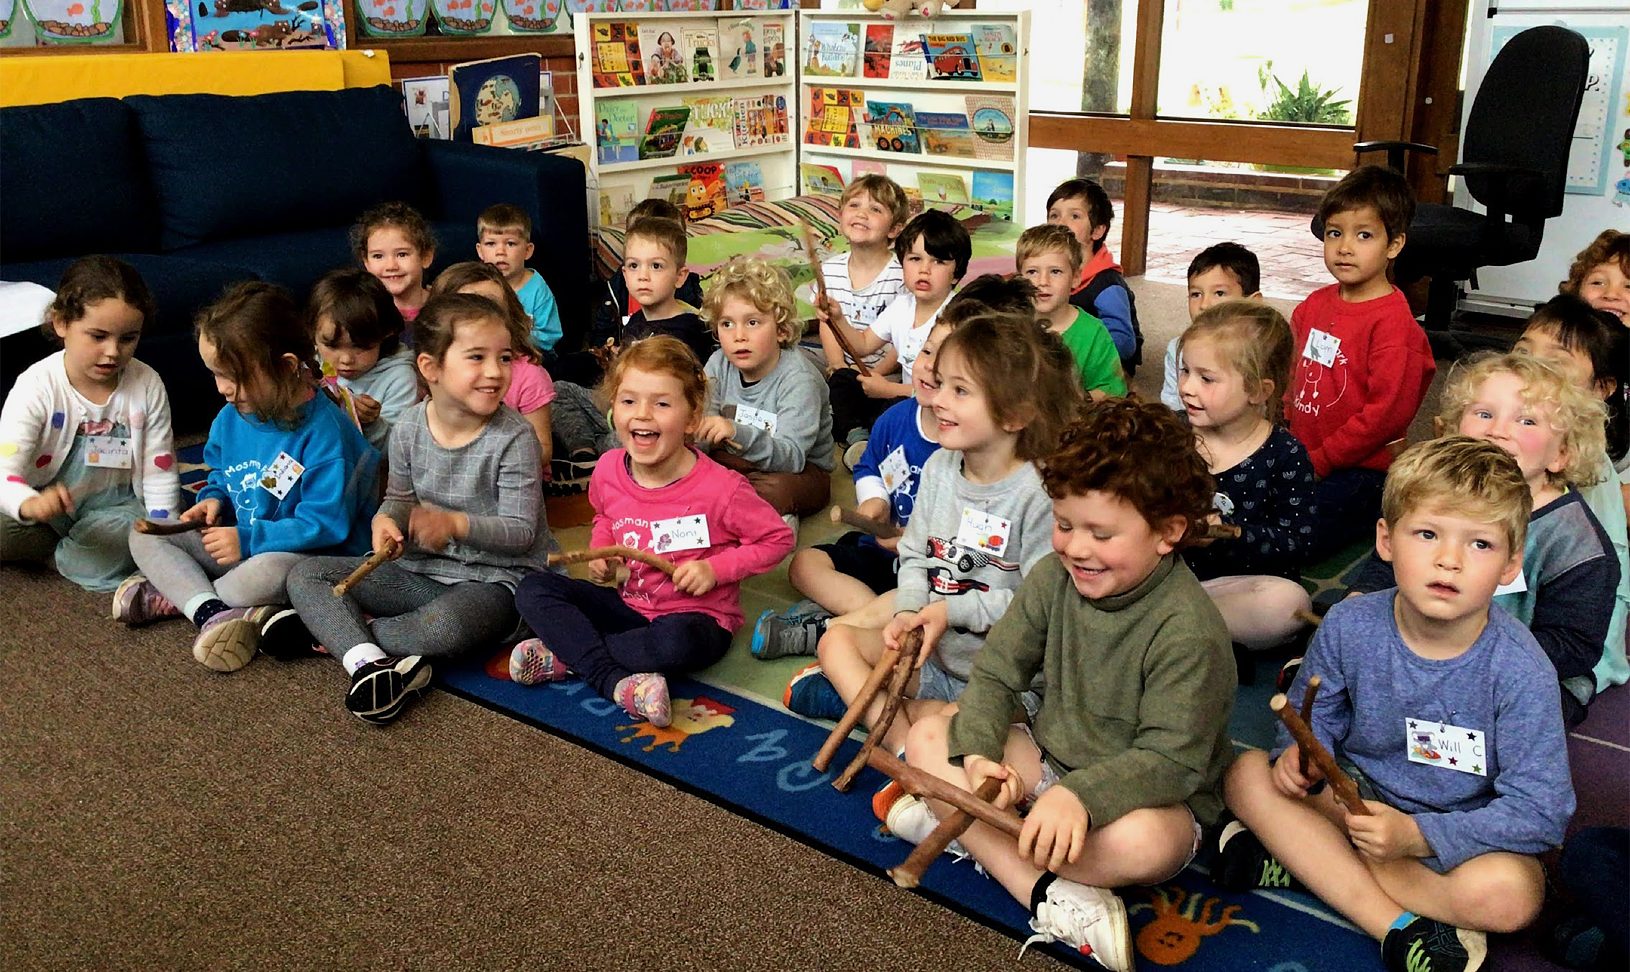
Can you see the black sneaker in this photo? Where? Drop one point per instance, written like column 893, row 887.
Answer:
column 284, row 636
column 379, row 689
column 1425, row 945
column 1243, row 864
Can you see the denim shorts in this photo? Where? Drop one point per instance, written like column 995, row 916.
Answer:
column 936, row 684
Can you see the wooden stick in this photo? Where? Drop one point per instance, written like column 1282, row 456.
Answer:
column 820, row 294
column 898, row 680
column 384, row 553
column 909, row 873
column 618, row 550
column 168, row 528
column 1222, row 531
column 1303, row 614
column 1341, row 784
column 1307, row 714
column 881, row 529
column 857, row 709
column 919, row 783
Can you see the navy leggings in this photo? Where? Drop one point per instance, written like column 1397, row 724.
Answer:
column 600, row 638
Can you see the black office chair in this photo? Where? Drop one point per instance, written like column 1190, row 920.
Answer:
column 1514, row 154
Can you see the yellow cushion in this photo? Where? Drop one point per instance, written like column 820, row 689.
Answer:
column 64, row 77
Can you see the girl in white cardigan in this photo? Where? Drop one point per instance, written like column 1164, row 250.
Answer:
column 85, row 447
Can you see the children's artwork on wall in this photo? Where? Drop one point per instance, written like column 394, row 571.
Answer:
column 235, row 25
column 463, row 16
column 426, row 102
column 73, row 21
column 591, row 6
column 531, row 16
column 8, row 12
column 393, row 18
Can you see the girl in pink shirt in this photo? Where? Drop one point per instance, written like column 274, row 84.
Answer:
column 656, row 493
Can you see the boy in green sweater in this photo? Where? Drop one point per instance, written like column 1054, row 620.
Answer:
column 1049, row 256
column 1139, row 682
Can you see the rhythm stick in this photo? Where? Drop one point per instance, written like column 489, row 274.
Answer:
column 602, row 553
column 909, row 873
column 1222, row 531
column 168, row 528
column 1303, row 614
column 857, row 709
column 820, row 295
column 898, row 680
column 922, row 784
column 881, row 529
column 1307, row 714
column 386, row 551
column 1341, row 784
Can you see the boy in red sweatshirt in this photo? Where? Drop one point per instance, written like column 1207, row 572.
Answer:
column 1362, row 362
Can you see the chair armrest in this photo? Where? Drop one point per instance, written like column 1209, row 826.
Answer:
column 1517, row 180
column 465, row 179
column 1395, row 150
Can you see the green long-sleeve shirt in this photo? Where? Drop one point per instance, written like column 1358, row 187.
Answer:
column 1139, row 687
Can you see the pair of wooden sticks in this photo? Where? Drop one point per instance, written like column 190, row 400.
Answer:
column 1309, row 748
column 820, row 296
column 560, row 559
column 895, row 668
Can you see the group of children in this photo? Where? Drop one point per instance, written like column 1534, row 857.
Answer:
column 1081, row 567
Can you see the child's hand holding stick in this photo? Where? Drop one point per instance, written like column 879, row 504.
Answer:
column 881, row 529
column 602, row 553
column 387, row 550
column 1341, row 784
column 821, row 299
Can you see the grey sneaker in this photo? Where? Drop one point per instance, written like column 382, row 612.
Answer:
column 853, row 454
column 138, row 602
column 777, row 636
column 1088, row 919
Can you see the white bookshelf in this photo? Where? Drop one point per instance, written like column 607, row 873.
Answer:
column 935, row 95
column 632, row 177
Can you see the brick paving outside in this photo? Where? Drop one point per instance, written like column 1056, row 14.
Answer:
column 1292, row 260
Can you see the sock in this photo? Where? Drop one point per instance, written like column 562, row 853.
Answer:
column 203, row 607
column 1403, row 920
column 361, row 655
column 1038, row 894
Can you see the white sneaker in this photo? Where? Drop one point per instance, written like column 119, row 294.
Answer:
column 912, row 821
column 1091, row 920
column 791, row 520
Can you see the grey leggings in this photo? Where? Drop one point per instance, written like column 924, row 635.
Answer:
column 182, row 569
column 413, row 614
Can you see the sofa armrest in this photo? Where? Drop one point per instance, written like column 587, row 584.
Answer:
column 465, row 179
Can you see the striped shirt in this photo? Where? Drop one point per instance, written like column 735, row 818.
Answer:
column 862, row 307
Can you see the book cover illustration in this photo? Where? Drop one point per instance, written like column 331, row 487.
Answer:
column 531, row 16
column 822, row 179
column 951, row 57
column 711, row 127
column 892, row 126
column 909, row 60
column 706, row 193
column 615, row 136
column 997, row 46
column 761, row 120
column 831, row 118
column 663, row 132
column 993, row 193
column 427, row 103
column 699, row 44
column 674, row 187
column 498, row 89
column 942, row 188
column 832, row 50
column 775, row 50
column 739, row 42
column 616, row 202
column 945, row 134
column 744, row 182
column 380, row 18
column 777, row 126
column 914, row 200
column 868, row 167
column 992, row 119
column 664, row 61
column 879, row 47
column 616, row 53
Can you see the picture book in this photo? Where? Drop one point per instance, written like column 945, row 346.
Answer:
column 675, row 188
column 831, row 50
column 831, row 118
column 498, row 89
column 427, row 101
column 879, row 46
column 951, row 57
column 711, row 127
column 775, row 50
column 868, row 167
column 992, row 119
column 616, row 137
column 945, row 133
column 914, row 200
column 998, row 48
column 699, row 45
column 739, row 43
column 777, row 126
column 942, row 188
column 744, row 181
column 664, row 57
column 907, row 61
column 892, row 127
column 817, row 178
column 663, row 132
column 993, row 193
column 616, row 54
column 761, row 120
column 706, row 193
column 615, row 204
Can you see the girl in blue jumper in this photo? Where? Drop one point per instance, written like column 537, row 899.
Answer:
column 290, row 475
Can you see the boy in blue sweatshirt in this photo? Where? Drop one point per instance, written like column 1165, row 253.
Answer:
column 1444, row 708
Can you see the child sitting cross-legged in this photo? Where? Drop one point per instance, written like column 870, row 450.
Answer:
column 1123, row 763
column 1050, row 258
column 1445, row 709
column 358, row 333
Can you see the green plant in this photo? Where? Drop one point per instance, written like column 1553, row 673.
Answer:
column 1306, row 103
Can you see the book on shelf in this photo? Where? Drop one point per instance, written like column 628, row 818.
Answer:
column 616, row 202
column 674, row 187
column 997, row 46
column 699, row 45
column 914, row 200
column 428, row 103
column 819, row 178
column 615, row 53
column 868, row 167
column 945, row 134
column 664, row 57
column 712, row 125
column 706, row 193
column 744, row 181
column 663, row 132
column 908, row 60
column 498, row 89
column 942, row 188
column 739, row 43
column 761, row 120
column 892, row 127
column 991, row 117
column 993, row 193
column 831, row 50
column 775, row 50
column 830, row 121
column 951, row 57
column 616, row 135
column 878, row 47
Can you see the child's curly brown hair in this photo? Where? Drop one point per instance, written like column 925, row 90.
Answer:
column 1027, row 375
column 1609, row 246
column 1139, row 451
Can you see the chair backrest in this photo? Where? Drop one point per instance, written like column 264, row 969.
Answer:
column 1524, row 114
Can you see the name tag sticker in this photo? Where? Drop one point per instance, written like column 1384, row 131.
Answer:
column 1321, row 348
column 983, row 531
column 107, row 451
column 281, row 475
column 1449, row 747
column 680, row 533
column 755, row 418
column 895, row 470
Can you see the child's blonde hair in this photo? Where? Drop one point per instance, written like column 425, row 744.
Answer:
column 1609, row 246
column 1459, row 474
column 764, row 286
column 1574, row 413
column 885, row 191
column 1048, row 238
column 1255, row 340
column 504, row 216
column 460, row 275
column 661, row 354
column 1027, row 375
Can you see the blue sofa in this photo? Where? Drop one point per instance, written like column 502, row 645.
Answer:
column 200, row 191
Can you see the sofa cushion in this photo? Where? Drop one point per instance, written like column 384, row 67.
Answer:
column 88, row 154
column 294, row 259
column 231, row 167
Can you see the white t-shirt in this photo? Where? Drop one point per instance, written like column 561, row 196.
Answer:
column 862, row 307
column 894, row 325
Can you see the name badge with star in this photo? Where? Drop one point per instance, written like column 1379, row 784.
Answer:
column 1449, row 747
